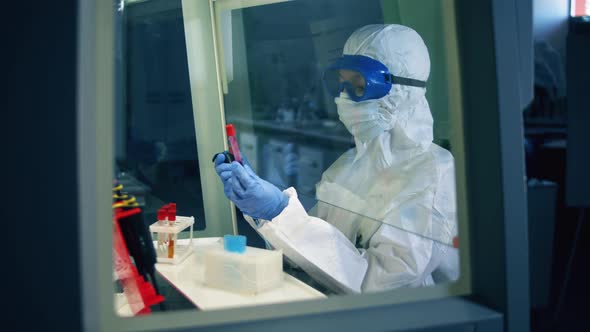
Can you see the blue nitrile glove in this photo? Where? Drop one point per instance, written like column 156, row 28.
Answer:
column 254, row 196
column 251, row 194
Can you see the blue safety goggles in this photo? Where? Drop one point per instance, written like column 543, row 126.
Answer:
column 363, row 78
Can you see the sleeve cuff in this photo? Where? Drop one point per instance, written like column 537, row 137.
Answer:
column 291, row 217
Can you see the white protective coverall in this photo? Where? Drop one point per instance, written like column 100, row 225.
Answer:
column 399, row 178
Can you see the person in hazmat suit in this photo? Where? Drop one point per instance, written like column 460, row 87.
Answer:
column 395, row 175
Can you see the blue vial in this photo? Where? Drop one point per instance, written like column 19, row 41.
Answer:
column 234, row 243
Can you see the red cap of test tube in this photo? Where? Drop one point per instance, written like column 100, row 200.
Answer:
column 230, row 130
column 162, row 214
column 171, row 213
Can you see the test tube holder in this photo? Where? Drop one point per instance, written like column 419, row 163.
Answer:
column 181, row 251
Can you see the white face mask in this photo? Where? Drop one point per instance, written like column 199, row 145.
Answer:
column 362, row 118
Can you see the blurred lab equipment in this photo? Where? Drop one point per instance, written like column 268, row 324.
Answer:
column 280, row 162
column 542, row 202
column 286, row 113
column 131, row 240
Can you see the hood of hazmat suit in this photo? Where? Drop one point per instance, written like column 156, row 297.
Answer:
column 386, row 212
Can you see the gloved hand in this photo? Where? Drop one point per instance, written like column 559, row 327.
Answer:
column 251, row 194
column 224, row 172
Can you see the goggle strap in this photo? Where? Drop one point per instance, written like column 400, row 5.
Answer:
column 405, row 81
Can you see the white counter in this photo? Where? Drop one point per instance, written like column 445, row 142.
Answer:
column 184, row 278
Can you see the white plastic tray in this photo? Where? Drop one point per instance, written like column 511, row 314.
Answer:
column 183, row 278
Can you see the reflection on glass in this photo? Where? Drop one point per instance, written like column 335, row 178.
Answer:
column 373, row 238
column 358, row 196
column 156, row 146
column 156, row 152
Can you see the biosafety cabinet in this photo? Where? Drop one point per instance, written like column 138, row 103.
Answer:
column 166, row 76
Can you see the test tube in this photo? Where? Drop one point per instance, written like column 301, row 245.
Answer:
column 162, row 214
column 233, row 142
column 171, row 220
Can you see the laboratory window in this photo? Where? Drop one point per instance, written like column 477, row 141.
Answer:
column 370, row 183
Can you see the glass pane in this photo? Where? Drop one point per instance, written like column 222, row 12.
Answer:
column 390, row 196
column 156, row 152
column 288, row 124
column 372, row 217
column 156, row 145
